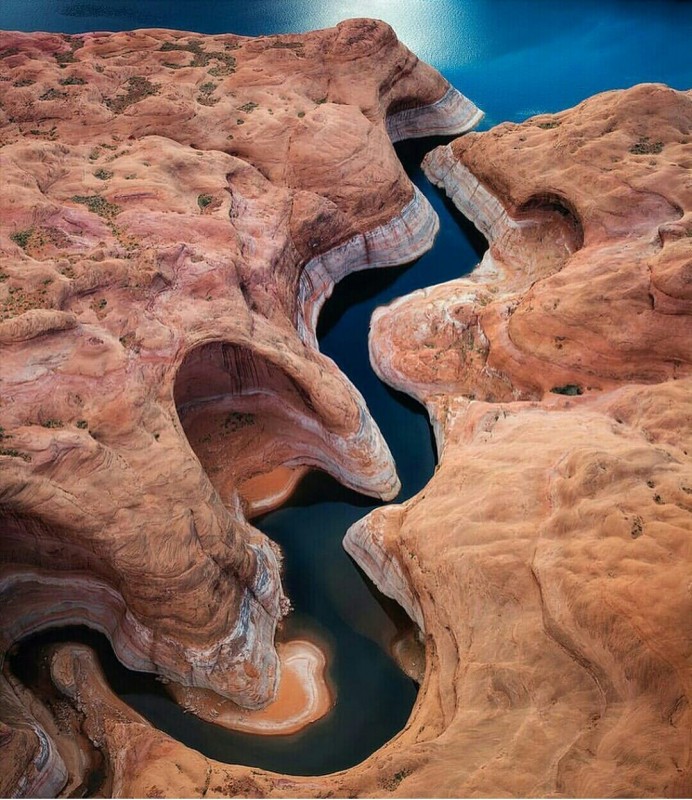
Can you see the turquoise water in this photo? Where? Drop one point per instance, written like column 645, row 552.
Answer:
column 514, row 58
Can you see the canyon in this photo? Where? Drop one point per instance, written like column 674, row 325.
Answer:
column 177, row 209
column 162, row 385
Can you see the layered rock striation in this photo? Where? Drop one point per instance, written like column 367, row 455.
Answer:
column 548, row 559
column 176, row 209
column 549, row 555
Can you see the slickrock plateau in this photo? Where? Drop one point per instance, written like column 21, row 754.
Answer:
column 175, row 210
column 548, row 560
column 547, row 563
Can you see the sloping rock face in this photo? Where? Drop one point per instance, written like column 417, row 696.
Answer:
column 175, row 210
column 548, row 559
column 587, row 276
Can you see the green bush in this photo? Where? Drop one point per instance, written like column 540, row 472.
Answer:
column 203, row 200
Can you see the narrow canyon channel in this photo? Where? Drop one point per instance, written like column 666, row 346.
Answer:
column 334, row 603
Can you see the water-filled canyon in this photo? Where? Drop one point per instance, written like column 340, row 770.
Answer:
column 200, row 402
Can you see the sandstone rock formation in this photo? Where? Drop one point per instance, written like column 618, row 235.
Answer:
column 175, row 210
column 302, row 697
column 548, row 559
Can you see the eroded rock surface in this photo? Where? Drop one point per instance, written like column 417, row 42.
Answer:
column 175, row 210
column 548, row 559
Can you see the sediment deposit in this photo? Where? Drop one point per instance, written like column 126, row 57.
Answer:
column 175, row 210
column 302, row 696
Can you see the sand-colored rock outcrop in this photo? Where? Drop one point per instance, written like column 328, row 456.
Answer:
column 175, row 210
column 548, row 559
column 585, row 213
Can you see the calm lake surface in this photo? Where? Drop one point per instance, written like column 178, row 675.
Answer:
column 513, row 58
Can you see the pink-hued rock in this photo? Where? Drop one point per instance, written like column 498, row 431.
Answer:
column 549, row 556
column 548, row 559
column 175, row 210
column 586, row 279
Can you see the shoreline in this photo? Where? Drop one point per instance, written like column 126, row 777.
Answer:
column 303, row 696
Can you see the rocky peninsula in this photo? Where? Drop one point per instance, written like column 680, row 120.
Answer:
column 176, row 210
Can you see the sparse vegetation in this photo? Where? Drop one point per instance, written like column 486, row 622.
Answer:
column 52, row 94
column 301, row 114
column 637, row 527
column 10, row 451
column 137, row 89
column 203, row 200
column 645, row 147
column 205, row 96
column 97, row 205
column 167, row 47
column 236, row 420
column 82, row 424
column 202, row 58
column 391, row 783
column 103, row 174
column 548, row 125
column 23, row 82
column 73, row 80
column 129, row 341
column 22, row 237
column 570, row 389
column 52, row 423
column 288, row 45
column 220, row 71
column 17, row 301
column 51, row 134
column 248, row 107
column 66, row 58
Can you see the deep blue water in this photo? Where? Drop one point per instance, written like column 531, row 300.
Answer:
column 514, row 58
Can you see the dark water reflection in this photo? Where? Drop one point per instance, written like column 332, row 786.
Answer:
column 333, row 600
column 514, row 58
